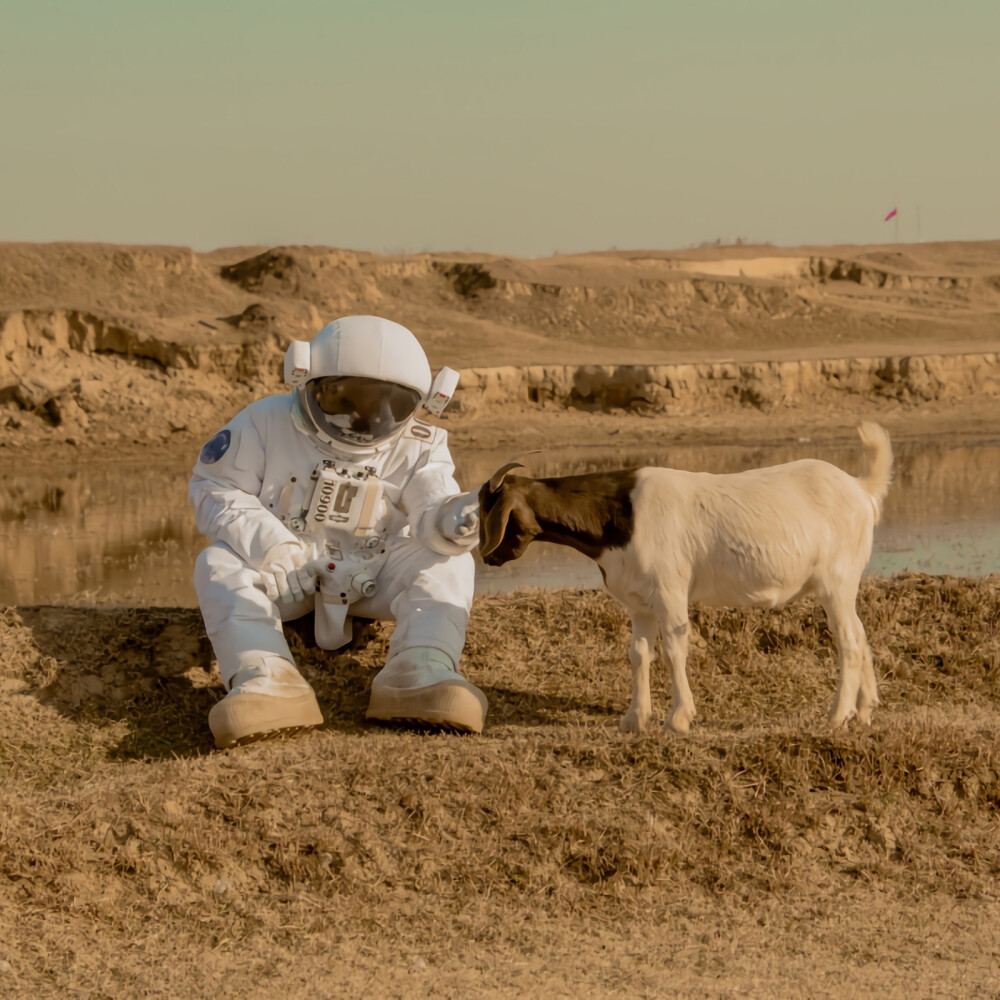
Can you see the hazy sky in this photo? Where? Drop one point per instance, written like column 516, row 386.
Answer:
column 521, row 127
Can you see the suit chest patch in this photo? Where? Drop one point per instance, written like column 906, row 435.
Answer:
column 216, row 448
column 420, row 431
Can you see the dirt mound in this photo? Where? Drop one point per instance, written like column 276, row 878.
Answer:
column 763, row 856
column 330, row 280
column 143, row 281
column 102, row 343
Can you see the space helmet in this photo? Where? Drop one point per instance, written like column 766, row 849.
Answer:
column 360, row 380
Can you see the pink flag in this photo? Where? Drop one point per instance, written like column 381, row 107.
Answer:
column 889, row 216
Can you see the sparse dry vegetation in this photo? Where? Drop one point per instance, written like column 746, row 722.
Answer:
column 552, row 856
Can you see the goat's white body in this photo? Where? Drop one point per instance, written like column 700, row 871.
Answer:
column 751, row 539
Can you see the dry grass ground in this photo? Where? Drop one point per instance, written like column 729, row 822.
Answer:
column 763, row 856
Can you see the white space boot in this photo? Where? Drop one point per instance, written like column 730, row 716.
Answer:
column 265, row 697
column 421, row 685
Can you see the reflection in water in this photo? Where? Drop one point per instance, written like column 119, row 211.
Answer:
column 124, row 534
column 104, row 534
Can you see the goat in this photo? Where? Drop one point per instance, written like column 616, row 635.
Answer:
column 666, row 537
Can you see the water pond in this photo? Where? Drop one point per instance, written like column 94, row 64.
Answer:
column 123, row 533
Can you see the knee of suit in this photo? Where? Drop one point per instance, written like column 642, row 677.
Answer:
column 448, row 578
column 214, row 563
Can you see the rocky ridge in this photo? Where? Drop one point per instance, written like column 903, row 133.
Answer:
column 98, row 341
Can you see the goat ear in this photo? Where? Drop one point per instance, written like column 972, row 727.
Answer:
column 497, row 478
column 492, row 526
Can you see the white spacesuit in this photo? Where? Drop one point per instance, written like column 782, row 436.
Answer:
column 336, row 498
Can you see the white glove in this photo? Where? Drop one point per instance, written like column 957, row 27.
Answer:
column 289, row 572
column 458, row 517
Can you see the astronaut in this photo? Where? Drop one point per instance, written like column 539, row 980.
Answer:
column 335, row 498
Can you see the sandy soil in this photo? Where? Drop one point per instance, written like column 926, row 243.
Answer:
column 151, row 348
column 551, row 857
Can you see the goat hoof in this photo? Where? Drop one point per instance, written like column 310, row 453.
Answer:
column 678, row 723
column 630, row 723
column 840, row 719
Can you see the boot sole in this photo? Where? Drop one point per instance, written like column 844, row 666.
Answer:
column 450, row 705
column 246, row 718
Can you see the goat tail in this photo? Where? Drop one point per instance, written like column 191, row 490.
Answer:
column 878, row 463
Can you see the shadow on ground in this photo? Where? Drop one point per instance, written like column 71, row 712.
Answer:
column 152, row 671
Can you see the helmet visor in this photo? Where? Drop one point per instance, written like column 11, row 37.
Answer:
column 358, row 410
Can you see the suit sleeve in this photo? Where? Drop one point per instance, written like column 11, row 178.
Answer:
column 225, row 492
column 432, row 482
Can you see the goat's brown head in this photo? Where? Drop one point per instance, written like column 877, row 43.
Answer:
column 506, row 523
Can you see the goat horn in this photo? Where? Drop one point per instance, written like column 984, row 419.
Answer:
column 497, row 478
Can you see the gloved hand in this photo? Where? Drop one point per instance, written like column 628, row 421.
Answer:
column 458, row 517
column 289, row 571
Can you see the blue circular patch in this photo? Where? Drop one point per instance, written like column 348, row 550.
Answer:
column 216, row 448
